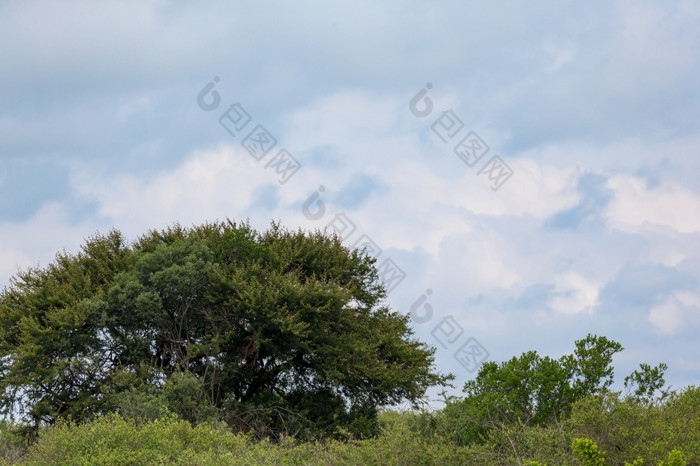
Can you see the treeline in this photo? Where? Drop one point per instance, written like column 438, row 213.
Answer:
column 510, row 414
column 534, row 408
column 604, row 429
column 219, row 344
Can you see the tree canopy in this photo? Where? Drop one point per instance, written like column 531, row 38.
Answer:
column 278, row 325
column 536, row 395
column 535, row 389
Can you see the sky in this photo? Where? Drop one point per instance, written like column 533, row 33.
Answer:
column 524, row 172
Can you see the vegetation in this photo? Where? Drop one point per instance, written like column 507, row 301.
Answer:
column 222, row 345
column 275, row 332
column 602, row 429
column 562, row 412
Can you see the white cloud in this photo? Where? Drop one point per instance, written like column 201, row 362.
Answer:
column 635, row 206
column 211, row 184
column 37, row 240
column 477, row 263
column 574, row 294
column 679, row 309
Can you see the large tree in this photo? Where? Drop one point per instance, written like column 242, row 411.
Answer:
column 288, row 327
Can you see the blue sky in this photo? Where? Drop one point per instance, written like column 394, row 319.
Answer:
column 592, row 109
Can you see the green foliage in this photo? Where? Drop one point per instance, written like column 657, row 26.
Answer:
column 619, row 429
column 222, row 345
column 646, row 382
column 627, row 429
column 51, row 358
column 13, row 442
column 458, row 422
column 675, row 458
column 184, row 397
column 545, row 444
column 115, row 440
column 532, row 408
column 283, row 332
column 591, row 365
column 586, row 450
column 180, row 397
column 529, row 390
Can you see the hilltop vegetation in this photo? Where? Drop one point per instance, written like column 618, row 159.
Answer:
column 222, row 345
column 607, row 428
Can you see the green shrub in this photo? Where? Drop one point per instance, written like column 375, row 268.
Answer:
column 675, row 458
column 605, row 429
column 541, row 444
column 13, row 442
column 627, row 429
column 113, row 439
column 181, row 396
column 586, row 450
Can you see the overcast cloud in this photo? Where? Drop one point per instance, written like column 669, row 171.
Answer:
column 594, row 107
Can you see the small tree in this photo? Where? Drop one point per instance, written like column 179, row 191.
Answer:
column 644, row 383
column 534, row 390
